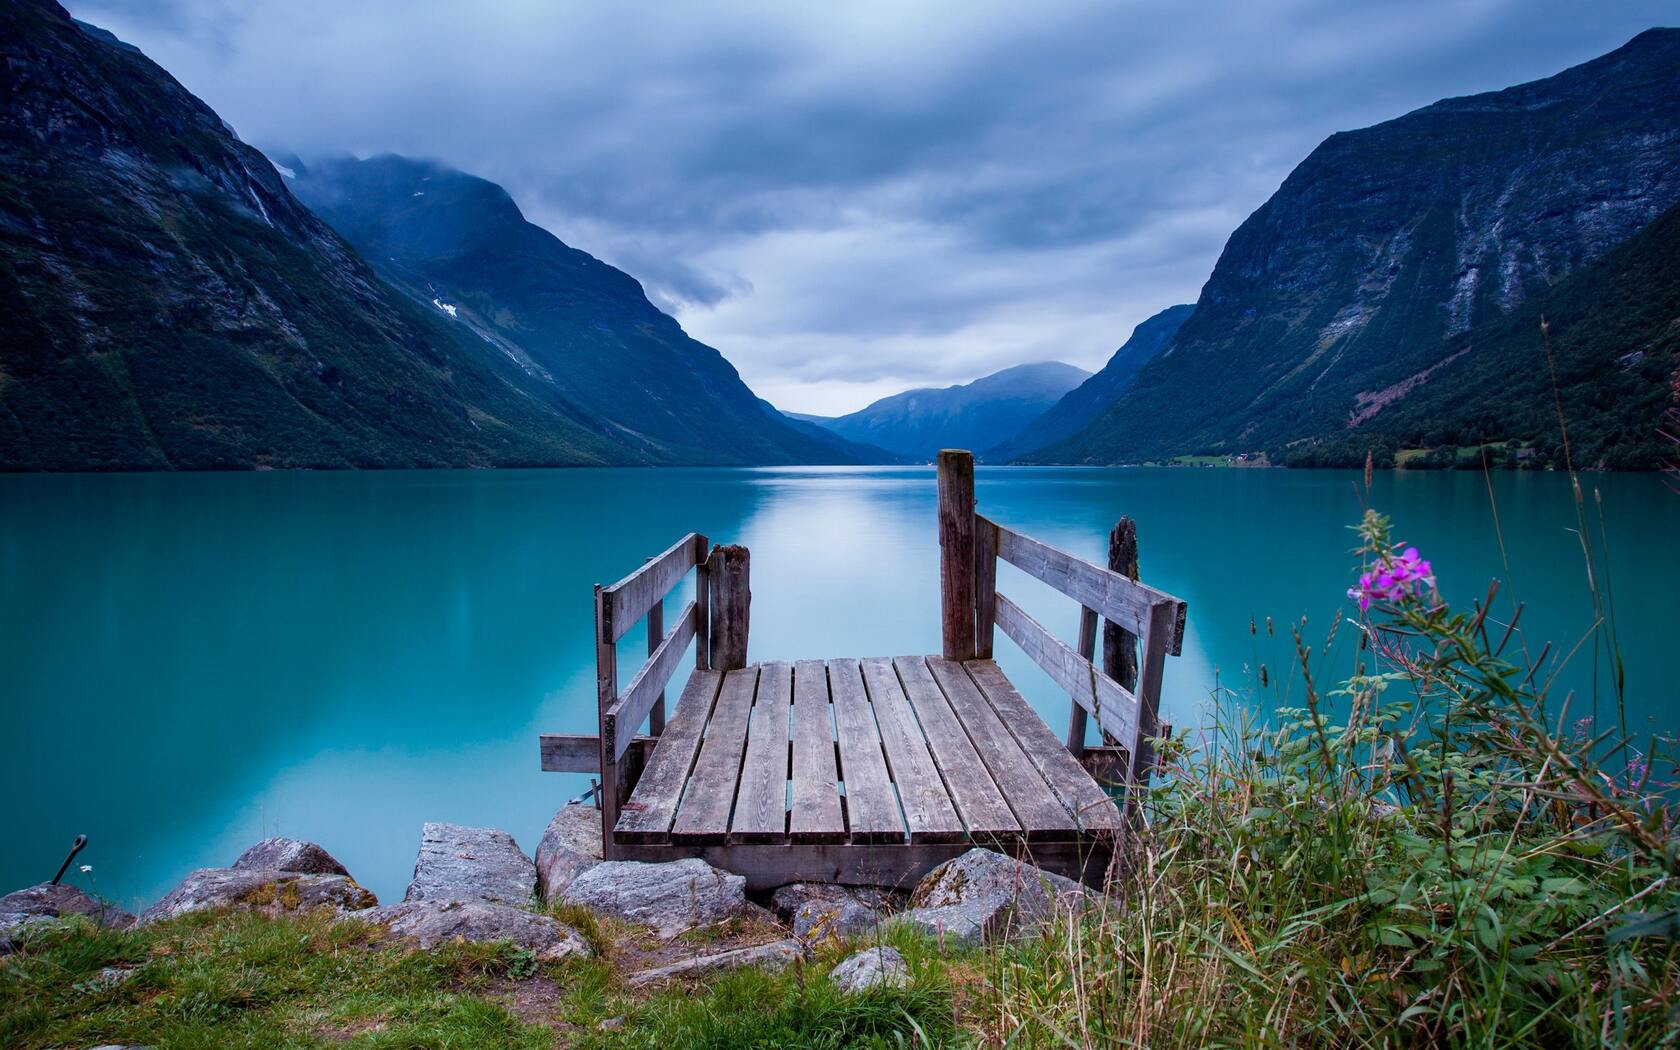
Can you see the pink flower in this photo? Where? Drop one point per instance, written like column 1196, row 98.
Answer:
column 1396, row 577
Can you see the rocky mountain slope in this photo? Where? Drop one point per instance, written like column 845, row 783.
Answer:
column 978, row 415
column 459, row 246
column 1386, row 246
column 1079, row 406
column 1614, row 333
column 166, row 303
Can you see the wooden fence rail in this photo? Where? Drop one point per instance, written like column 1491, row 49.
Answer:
column 1134, row 614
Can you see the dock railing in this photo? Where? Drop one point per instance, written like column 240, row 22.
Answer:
column 715, row 620
column 973, row 609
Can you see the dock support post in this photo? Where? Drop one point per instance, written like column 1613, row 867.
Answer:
column 614, row 775
column 1120, row 660
column 731, row 600
column 956, row 552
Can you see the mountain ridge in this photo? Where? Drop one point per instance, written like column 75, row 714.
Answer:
column 1387, row 242
column 919, row 422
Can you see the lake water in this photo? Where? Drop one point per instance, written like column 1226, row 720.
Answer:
column 192, row 662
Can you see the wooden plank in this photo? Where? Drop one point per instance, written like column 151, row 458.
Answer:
column 968, row 782
column 648, row 815
column 956, row 551
column 903, row 865
column 704, row 813
column 1115, row 709
column 580, row 752
column 815, row 815
column 629, row 599
column 872, row 813
column 1061, row 771
column 731, row 579
column 624, row 716
column 761, row 802
column 1041, row 814
column 928, row 812
column 985, row 586
column 1114, row 596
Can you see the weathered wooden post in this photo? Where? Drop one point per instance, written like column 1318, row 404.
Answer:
column 1076, row 711
column 956, row 552
column 1120, row 645
column 702, row 606
column 731, row 601
column 615, row 782
column 985, row 586
column 655, row 635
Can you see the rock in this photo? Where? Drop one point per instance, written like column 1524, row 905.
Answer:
column 39, row 905
column 461, row 863
column 433, row 922
column 869, row 969
column 818, row 910
column 570, row 846
column 671, row 897
column 281, row 854
column 985, row 896
column 107, row 978
column 257, row 889
column 773, row 956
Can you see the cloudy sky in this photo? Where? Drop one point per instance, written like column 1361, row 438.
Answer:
column 849, row 199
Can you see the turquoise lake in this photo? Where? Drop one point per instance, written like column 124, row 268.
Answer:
column 192, row 662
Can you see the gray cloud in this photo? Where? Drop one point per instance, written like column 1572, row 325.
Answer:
column 852, row 198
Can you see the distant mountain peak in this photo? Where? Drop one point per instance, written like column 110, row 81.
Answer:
column 973, row 415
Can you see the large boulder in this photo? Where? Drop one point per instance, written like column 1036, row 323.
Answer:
column 570, row 847
column 458, row 863
column 671, row 897
column 431, row 922
column 40, row 905
column 776, row 955
column 259, row 889
column 987, row 896
column 869, row 969
column 282, row 854
column 819, row 911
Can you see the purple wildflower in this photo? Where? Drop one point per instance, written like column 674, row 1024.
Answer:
column 1397, row 576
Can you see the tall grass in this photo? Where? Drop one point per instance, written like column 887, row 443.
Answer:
column 1452, row 858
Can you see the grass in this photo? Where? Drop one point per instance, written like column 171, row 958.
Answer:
column 233, row 979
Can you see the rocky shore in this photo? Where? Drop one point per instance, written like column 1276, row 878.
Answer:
column 677, row 920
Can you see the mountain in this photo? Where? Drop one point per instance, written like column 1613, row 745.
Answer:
column 1386, row 246
column 458, row 245
column 1079, row 406
column 977, row 415
column 166, row 303
column 1614, row 331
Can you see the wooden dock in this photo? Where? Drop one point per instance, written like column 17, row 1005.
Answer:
column 874, row 770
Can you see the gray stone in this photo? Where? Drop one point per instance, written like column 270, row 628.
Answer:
column 986, row 896
column 818, row 911
column 282, row 854
column 256, row 889
column 776, row 955
column 869, row 969
column 433, row 922
column 458, row 863
column 671, row 897
column 570, row 847
column 38, row 906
